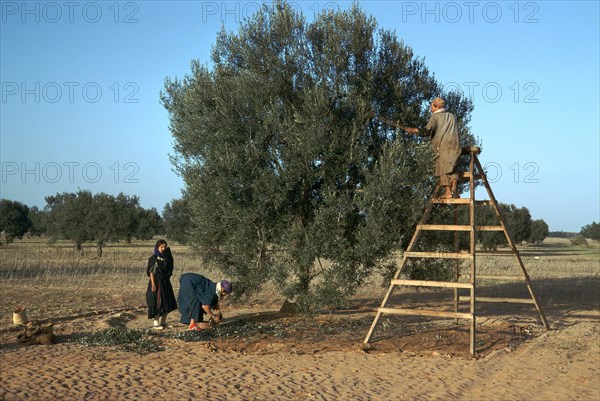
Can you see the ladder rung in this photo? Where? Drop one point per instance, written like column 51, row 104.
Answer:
column 489, row 228
column 494, row 277
column 422, row 312
column 457, row 227
column 452, row 200
column 504, row 300
column 467, row 175
column 444, row 227
column 463, row 201
column 465, row 150
column 429, row 283
column 438, row 255
column 496, row 253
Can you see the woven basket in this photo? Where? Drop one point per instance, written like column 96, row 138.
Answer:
column 20, row 317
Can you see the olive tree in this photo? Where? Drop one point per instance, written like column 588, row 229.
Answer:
column 287, row 175
column 14, row 220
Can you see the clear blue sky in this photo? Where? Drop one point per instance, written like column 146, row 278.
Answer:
column 80, row 82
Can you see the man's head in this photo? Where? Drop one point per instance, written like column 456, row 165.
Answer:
column 225, row 287
column 438, row 103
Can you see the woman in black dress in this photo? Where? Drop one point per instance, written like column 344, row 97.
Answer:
column 159, row 295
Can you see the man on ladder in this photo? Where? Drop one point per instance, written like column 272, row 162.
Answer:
column 444, row 137
column 443, row 130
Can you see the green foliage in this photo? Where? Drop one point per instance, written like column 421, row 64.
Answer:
column 284, row 166
column 68, row 216
column 591, row 231
column 177, row 220
column 430, row 269
column 125, row 221
column 539, row 232
column 579, row 240
column 38, row 222
column 83, row 217
column 101, row 219
column 518, row 224
column 148, row 224
column 14, row 220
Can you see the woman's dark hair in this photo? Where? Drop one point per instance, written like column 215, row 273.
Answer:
column 159, row 243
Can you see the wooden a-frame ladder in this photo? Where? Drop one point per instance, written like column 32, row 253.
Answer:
column 475, row 172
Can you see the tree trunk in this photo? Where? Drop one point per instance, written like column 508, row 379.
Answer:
column 304, row 281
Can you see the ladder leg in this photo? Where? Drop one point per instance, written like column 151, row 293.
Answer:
column 531, row 291
column 472, row 342
column 456, row 262
column 513, row 247
column 472, row 245
column 370, row 333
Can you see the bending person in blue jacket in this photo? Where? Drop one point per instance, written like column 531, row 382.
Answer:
column 198, row 296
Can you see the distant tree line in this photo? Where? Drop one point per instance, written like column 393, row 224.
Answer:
column 101, row 218
column 86, row 218
column 591, row 231
column 561, row 234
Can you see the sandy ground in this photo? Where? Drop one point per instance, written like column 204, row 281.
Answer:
column 274, row 356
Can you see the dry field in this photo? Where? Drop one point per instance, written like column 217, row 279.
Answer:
column 260, row 353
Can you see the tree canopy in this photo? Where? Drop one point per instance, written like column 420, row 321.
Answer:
column 176, row 219
column 539, row 231
column 287, row 174
column 591, row 231
column 14, row 219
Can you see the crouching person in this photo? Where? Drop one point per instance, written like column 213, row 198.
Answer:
column 198, row 296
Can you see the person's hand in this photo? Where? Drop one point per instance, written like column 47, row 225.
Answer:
column 218, row 318
column 153, row 288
